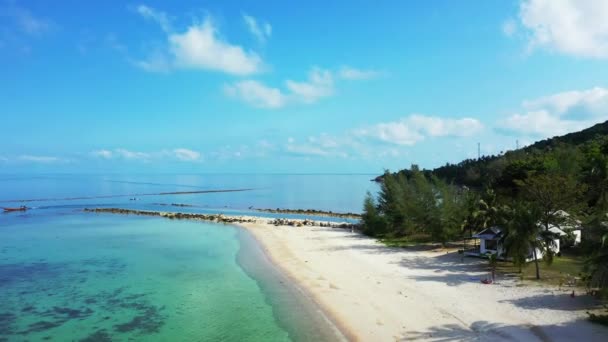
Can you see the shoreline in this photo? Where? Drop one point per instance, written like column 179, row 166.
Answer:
column 373, row 292
column 331, row 320
column 311, row 310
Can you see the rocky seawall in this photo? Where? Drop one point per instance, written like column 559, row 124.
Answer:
column 311, row 212
column 220, row 218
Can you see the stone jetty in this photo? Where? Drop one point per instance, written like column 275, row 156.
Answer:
column 220, row 218
column 311, row 212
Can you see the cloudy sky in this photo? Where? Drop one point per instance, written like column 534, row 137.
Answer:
column 280, row 86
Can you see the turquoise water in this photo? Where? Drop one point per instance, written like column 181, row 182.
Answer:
column 73, row 276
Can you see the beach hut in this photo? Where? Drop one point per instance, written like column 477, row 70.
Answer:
column 489, row 241
column 569, row 225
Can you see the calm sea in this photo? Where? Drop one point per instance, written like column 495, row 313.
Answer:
column 67, row 275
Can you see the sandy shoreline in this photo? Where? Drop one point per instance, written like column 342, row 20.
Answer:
column 375, row 293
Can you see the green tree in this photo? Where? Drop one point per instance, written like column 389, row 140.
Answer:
column 483, row 212
column 597, row 263
column 550, row 194
column 525, row 236
column 373, row 224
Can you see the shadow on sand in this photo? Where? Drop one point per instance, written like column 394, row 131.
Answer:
column 450, row 267
column 560, row 301
column 486, row 331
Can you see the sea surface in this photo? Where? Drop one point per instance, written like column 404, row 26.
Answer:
column 66, row 275
column 332, row 192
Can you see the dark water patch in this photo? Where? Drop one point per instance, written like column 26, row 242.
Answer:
column 40, row 326
column 30, row 272
column 29, row 308
column 147, row 318
column 147, row 323
column 7, row 321
column 65, row 314
column 102, row 266
column 98, row 336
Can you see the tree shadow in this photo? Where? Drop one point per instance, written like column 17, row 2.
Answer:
column 485, row 331
column 378, row 247
column 449, row 268
column 560, row 301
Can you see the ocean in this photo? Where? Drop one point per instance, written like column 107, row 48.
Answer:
column 67, row 275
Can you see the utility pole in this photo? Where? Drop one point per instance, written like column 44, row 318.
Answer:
column 517, row 144
column 478, row 151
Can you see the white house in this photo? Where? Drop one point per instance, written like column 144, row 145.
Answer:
column 490, row 243
column 570, row 225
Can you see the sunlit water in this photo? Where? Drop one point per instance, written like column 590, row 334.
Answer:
column 97, row 277
column 66, row 275
column 340, row 193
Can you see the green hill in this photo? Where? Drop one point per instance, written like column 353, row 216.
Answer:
column 567, row 154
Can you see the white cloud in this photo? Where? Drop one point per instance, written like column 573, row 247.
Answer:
column 590, row 102
column 185, row 154
column 38, row 159
column 573, row 27
column 350, row 73
column 106, row 154
column 541, row 123
column 305, row 150
column 414, row 128
column 256, row 94
column 509, row 27
column 182, row 154
column 320, row 84
column 158, row 16
column 126, row 154
column 560, row 113
column 201, row 47
column 29, row 23
column 399, row 133
column 261, row 31
column 156, row 62
column 322, row 145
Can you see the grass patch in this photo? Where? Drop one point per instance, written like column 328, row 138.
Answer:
column 405, row 241
column 567, row 266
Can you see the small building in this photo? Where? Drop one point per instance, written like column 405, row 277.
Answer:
column 569, row 225
column 489, row 241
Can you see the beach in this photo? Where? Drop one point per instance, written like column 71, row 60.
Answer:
column 377, row 293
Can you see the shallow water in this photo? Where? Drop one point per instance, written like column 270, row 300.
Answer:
column 102, row 277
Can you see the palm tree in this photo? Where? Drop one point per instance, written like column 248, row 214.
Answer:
column 484, row 212
column 524, row 235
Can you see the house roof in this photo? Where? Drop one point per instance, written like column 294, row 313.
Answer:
column 557, row 231
column 490, row 233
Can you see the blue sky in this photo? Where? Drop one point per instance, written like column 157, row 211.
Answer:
column 277, row 86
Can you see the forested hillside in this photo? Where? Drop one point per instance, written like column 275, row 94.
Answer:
column 524, row 191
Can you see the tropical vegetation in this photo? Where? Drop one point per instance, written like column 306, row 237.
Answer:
column 554, row 182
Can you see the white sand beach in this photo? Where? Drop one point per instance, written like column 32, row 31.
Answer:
column 375, row 293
